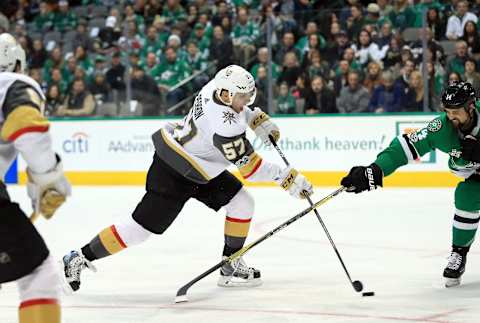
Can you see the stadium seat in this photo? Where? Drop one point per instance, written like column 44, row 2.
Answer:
column 52, row 39
column 411, row 34
column 448, row 47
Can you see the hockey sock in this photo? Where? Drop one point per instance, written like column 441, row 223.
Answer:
column 106, row 243
column 236, row 231
column 465, row 226
column 41, row 310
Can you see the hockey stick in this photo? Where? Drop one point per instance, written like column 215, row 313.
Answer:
column 357, row 285
column 182, row 292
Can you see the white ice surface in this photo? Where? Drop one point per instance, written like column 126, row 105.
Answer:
column 394, row 240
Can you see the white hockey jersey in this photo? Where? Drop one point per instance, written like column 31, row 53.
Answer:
column 211, row 137
column 23, row 128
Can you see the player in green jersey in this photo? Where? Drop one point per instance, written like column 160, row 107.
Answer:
column 455, row 132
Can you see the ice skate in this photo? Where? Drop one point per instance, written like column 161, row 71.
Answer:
column 73, row 264
column 455, row 267
column 237, row 274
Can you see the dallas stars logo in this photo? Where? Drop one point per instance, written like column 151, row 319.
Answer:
column 229, row 117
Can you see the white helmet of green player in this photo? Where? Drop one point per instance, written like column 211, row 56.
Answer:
column 11, row 54
column 235, row 80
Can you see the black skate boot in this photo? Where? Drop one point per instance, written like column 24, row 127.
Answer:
column 237, row 274
column 455, row 267
column 73, row 264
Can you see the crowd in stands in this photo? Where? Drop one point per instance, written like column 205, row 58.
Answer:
column 336, row 56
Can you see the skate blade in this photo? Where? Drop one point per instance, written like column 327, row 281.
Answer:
column 226, row 281
column 452, row 282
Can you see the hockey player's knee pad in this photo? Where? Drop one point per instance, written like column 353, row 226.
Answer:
column 22, row 249
column 241, row 206
column 131, row 232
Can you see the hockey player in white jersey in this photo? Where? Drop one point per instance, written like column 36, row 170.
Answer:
column 24, row 257
column 190, row 162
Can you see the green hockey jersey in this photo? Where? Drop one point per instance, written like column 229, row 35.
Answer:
column 439, row 134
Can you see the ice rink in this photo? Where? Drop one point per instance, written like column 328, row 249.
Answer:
column 394, row 240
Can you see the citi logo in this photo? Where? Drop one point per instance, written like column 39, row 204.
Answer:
column 77, row 144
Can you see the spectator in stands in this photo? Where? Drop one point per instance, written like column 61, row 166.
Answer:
column 385, row 98
column 82, row 38
column 56, row 78
column 169, row 74
column 385, row 7
column 221, row 48
column 432, row 44
column 402, row 82
column 356, row 21
column 366, row 50
column 244, row 35
column 162, row 31
column 38, row 55
column 354, row 97
column 150, row 63
column 320, row 99
column 457, row 62
column 78, row 103
column 312, row 45
column 456, row 22
column 291, row 69
column 68, row 68
column 153, row 44
column 173, row 12
column 36, row 74
column 64, row 19
column 385, row 36
column 201, row 39
column 302, row 86
column 341, row 74
column 471, row 74
column 336, row 50
column 261, row 83
column 373, row 77
column 197, row 63
column 287, row 45
column 413, row 101
column 131, row 16
column 115, row 75
column 318, row 67
column 100, row 89
column 44, row 20
column 175, row 42
column 304, row 44
column 472, row 38
column 436, row 82
column 84, row 60
column 262, row 60
column 192, row 15
column 349, row 55
column 109, row 35
column 286, row 103
column 402, row 16
column 222, row 12
column 436, row 23
column 55, row 60
column 145, row 91
column 54, row 100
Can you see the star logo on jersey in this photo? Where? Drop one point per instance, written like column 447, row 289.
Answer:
column 229, row 117
column 434, row 125
column 455, row 153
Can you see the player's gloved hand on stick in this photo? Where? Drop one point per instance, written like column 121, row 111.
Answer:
column 294, row 182
column 263, row 126
column 48, row 191
column 470, row 149
column 361, row 178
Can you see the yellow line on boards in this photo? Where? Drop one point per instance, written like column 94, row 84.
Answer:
column 399, row 179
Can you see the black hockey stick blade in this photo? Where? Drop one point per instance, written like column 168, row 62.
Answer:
column 182, row 292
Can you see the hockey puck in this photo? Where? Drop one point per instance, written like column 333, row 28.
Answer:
column 368, row 294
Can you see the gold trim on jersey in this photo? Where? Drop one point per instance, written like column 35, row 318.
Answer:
column 192, row 162
column 23, row 119
column 39, row 311
column 251, row 166
column 236, row 229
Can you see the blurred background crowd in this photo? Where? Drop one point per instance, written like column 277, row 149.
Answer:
column 150, row 57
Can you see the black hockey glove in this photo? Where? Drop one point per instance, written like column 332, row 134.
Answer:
column 361, row 178
column 470, row 149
